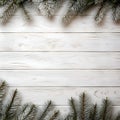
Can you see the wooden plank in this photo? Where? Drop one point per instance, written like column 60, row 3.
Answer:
column 60, row 95
column 59, row 60
column 60, row 42
column 61, row 77
column 42, row 24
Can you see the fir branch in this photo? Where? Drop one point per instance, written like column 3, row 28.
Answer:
column 94, row 113
column 73, row 109
column 116, row 13
column 84, row 107
column 27, row 16
column 54, row 116
column 3, row 2
column 28, row 112
column 9, row 11
column 49, row 7
column 102, row 12
column 106, row 110
column 46, row 110
column 72, row 11
column 3, row 90
column 12, row 107
column 76, row 7
column 14, row 110
column 69, row 117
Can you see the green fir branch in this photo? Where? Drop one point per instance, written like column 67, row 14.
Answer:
column 94, row 113
column 9, row 11
column 106, row 110
column 12, row 107
column 50, row 7
column 73, row 109
column 46, row 110
column 27, row 112
column 84, row 107
column 3, row 90
column 54, row 116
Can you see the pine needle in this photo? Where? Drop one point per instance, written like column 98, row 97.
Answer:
column 12, row 107
column 49, row 7
column 73, row 10
column 69, row 117
column 102, row 12
column 27, row 16
column 3, row 90
column 14, row 110
column 55, row 115
column 46, row 110
column 84, row 107
column 116, row 13
column 9, row 11
column 28, row 112
column 3, row 2
column 73, row 109
column 106, row 110
column 94, row 113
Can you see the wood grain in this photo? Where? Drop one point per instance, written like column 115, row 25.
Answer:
column 61, row 60
column 46, row 60
column 32, row 78
column 59, row 42
column 60, row 95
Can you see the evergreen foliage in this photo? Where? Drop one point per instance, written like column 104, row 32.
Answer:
column 50, row 7
column 88, row 111
column 12, row 109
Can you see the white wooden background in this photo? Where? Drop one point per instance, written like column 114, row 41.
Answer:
column 45, row 60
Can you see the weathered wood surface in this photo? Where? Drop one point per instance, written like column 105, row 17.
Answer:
column 60, row 60
column 61, row 95
column 46, row 78
column 59, row 42
column 46, row 60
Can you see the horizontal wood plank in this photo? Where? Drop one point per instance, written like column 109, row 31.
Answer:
column 59, row 42
column 70, row 66
column 60, row 95
column 42, row 24
column 61, row 77
column 61, row 60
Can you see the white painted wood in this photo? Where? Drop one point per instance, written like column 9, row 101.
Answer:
column 59, row 42
column 46, row 60
column 59, row 60
column 60, row 95
column 61, row 77
column 42, row 24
